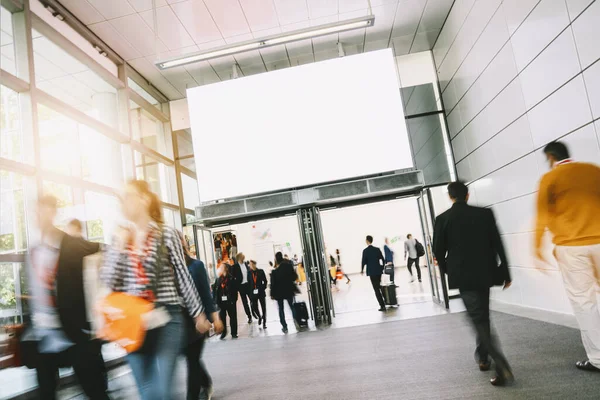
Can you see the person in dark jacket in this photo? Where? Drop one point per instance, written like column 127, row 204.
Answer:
column 373, row 259
column 198, row 377
column 225, row 295
column 240, row 271
column 467, row 246
column 60, row 313
column 283, row 287
column 258, row 292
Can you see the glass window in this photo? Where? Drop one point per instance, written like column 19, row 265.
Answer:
column 7, row 42
column 64, row 77
column 158, row 175
column 169, row 217
column 11, row 134
column 13, row 224
column 59, row 149
column 146, row 129
column 13, row 285
column 191, row 198
column 188, row 163
column 101, row 160
column 184, row 143
column 102, row 213
column 66, row 205
column 139, row 90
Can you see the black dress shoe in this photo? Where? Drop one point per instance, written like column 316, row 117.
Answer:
column 382, row 309
column 234, row 336
column 223, row 336
column 484, row 365
column 249, row 320
column 586, row 366
column 505, row 379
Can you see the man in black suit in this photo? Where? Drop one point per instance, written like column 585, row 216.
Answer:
column 373, row 259
column 240, row 271
column 60, row 313
column 467, row 246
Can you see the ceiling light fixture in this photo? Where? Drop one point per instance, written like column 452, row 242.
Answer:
column 255, row 44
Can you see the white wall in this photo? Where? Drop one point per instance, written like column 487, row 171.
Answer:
column 346, row 228
column 515, row 75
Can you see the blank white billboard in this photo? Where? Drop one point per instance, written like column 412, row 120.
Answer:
column 299, row 126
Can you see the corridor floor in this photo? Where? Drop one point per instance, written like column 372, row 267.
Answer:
column 423, row 358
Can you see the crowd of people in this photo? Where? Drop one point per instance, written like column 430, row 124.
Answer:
column 158, row 303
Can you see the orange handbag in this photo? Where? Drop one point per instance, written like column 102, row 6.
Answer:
column 126, row 316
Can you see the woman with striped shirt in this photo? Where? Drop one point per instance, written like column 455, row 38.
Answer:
column 130, row 266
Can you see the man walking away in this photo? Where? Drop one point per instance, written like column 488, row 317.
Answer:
column 283, row 287
column 240, row 270
column 467, row 245
column 389, row 260
column 410, row 249
column 373, row 260
column 60, row 318
column 258, row 285
column 569, row 206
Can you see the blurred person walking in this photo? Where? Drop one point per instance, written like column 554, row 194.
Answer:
column 373, row 259
column 258, row 292
column 60, row 313
column 283, row 287
column 467, row 245
column 410, row 250
column 389, row 260
column 339, row 266
column 198, row 378
column 225, row 294
column 146, row 260
column 568, row 204
column 240, row 271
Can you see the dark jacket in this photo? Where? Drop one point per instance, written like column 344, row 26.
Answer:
column 200, row 278
column 373, row 259
column 70, row 296
column 467, row 246
column 283, row 281
column 389, row 254
column 237, row 270
column 226, row 286
column 260, row 284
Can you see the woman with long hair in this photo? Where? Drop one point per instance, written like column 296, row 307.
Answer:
column 198, row 377
column 146, row 260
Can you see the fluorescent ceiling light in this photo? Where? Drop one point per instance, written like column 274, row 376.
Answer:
column 269, row 41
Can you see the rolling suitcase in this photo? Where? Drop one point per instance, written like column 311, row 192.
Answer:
column 389, row 295
column 301, row 313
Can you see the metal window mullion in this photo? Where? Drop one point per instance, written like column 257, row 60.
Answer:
column 147, row 106
column 13, row 82
column 153, row 154
column 144, row 84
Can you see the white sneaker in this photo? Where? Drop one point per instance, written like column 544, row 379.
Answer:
column 412, row 279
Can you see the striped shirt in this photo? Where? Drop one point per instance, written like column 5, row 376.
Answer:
column 119, row 272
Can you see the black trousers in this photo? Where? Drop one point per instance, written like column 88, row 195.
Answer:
column 263, row 306
column 88, row 364
column 230, row 309
column 376, row 282
column 198, row 376
column 244, row 296
column 416, row 262
column 477, row 303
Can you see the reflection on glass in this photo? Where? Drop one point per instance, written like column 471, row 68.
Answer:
column 184, row 143
column 102, row 215
column 64, row 77
column 146, row 129
column 7, row 42
column 420, row 99
column 156, row 174
column 13, row 225
column 139, row 90
column 11, row 134
column 427, row 138
column 188, row 163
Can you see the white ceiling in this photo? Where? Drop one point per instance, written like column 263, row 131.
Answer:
column 127, row 26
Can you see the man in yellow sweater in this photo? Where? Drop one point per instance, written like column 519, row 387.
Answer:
column 569, row 206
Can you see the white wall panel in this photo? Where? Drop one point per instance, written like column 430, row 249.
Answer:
column 576, row 7
column 544, row 290
column 587, row 35
column 592, row 85
column 516, row 11
column 516, row 215
column 551, row 69
column 582, row 145
column 463, row 170
column 566, row 110
column 456, row 18
column 544, row 23
column 459, row 147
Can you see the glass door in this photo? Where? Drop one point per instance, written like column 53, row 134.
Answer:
column 439, row 288
column 205, row 251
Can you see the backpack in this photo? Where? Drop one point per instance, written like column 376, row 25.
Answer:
column 420, row 249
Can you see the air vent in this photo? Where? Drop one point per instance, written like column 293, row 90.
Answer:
column 342, row 190
column 220, row 209
column 270, row 202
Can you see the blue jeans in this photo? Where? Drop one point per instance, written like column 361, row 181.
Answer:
column 282, row 311
column 154, row 364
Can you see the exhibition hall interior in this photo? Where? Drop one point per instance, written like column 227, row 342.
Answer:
column 290, row 136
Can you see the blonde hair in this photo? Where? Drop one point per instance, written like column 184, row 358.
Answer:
column 154, row 209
